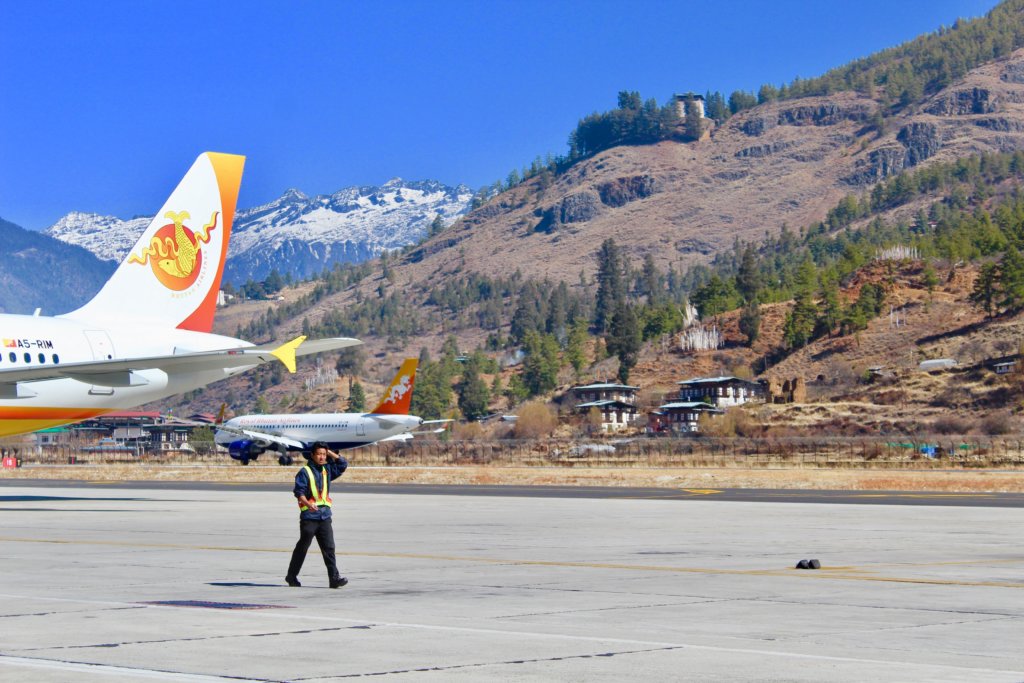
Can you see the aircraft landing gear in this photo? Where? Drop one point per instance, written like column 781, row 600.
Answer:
column 284, row 460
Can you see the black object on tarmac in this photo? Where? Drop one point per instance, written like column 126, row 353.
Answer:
column 808, row 564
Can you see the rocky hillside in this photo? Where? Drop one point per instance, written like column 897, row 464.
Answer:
column 782, row 162
column 779, row 163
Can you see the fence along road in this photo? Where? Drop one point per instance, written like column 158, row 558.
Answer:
column 939, row 452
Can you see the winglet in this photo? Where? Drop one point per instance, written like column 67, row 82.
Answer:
column 220, row 415
column 286, row 352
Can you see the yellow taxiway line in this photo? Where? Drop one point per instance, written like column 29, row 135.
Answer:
column 845, row 573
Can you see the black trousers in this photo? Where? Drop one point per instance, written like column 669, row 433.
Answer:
column 324, row 533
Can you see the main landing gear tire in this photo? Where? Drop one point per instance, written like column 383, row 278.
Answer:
column 285, row 460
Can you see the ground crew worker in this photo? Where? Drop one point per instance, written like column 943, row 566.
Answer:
column 312, row 484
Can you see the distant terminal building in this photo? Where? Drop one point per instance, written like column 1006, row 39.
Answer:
column 681, row 104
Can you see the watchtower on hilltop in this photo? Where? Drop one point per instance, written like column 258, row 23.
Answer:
column 681, row 104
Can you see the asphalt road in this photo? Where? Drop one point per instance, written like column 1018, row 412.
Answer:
column 979, row 499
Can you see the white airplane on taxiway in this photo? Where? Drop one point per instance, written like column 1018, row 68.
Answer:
column 248, row 436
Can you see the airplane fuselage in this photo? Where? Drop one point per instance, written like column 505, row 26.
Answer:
column 33, row 341
column 337, row 430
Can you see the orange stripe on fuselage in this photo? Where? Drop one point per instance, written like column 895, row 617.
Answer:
column 18, row 420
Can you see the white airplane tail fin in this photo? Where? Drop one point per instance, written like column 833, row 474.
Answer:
column 172, row 275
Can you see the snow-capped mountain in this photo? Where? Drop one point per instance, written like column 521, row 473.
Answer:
column 295, row 233
column 107, row 237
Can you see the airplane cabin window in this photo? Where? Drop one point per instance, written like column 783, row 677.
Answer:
column 56, row 359
column 42, row 358
column 28, row 357
column 14, row 357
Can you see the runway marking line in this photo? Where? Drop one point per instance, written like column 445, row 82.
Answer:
column 853, row 574
column 110, row 669
column 503, row 633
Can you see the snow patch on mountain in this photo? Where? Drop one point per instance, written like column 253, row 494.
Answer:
column 107, row 237
column 296, row 233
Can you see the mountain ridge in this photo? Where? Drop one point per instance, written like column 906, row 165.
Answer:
column 295, row 233
column 42, row 272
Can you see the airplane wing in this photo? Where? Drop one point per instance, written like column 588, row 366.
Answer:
column 429, row 431
column 263, row 438
column 118, row 372
column 398, row 437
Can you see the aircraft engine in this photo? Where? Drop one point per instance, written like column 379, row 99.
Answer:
column 244, row 450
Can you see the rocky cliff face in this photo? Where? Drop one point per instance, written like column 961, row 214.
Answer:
column 782, row 162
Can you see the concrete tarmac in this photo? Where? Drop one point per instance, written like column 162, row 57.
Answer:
column 187, row 585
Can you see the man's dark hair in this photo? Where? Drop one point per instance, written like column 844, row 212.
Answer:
column 308, row 455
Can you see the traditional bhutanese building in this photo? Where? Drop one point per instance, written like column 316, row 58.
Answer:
column 615, row 402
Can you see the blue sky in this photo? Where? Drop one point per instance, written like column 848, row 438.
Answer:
column 106, row 104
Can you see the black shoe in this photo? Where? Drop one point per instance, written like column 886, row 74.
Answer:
column 292, row 581
column 339, row 582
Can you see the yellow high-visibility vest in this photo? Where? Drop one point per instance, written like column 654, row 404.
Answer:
column 321, row 499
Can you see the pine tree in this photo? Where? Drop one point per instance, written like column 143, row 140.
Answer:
column 436, row 226
column 611, row 284
column 831, row 307
column 651, row 280
column 541, row 363
column 574, row 349
column 629, row 100
column 748, row 278
column 432, row 396
column 798, row 328
column 472, row 391
column 985, row 289
column 356, row 398
column 929, row 278
column 624, row 340
column 1011, row 280
column 767, row 93
column 516, row 391
column 750, row 322
column 716, row 296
